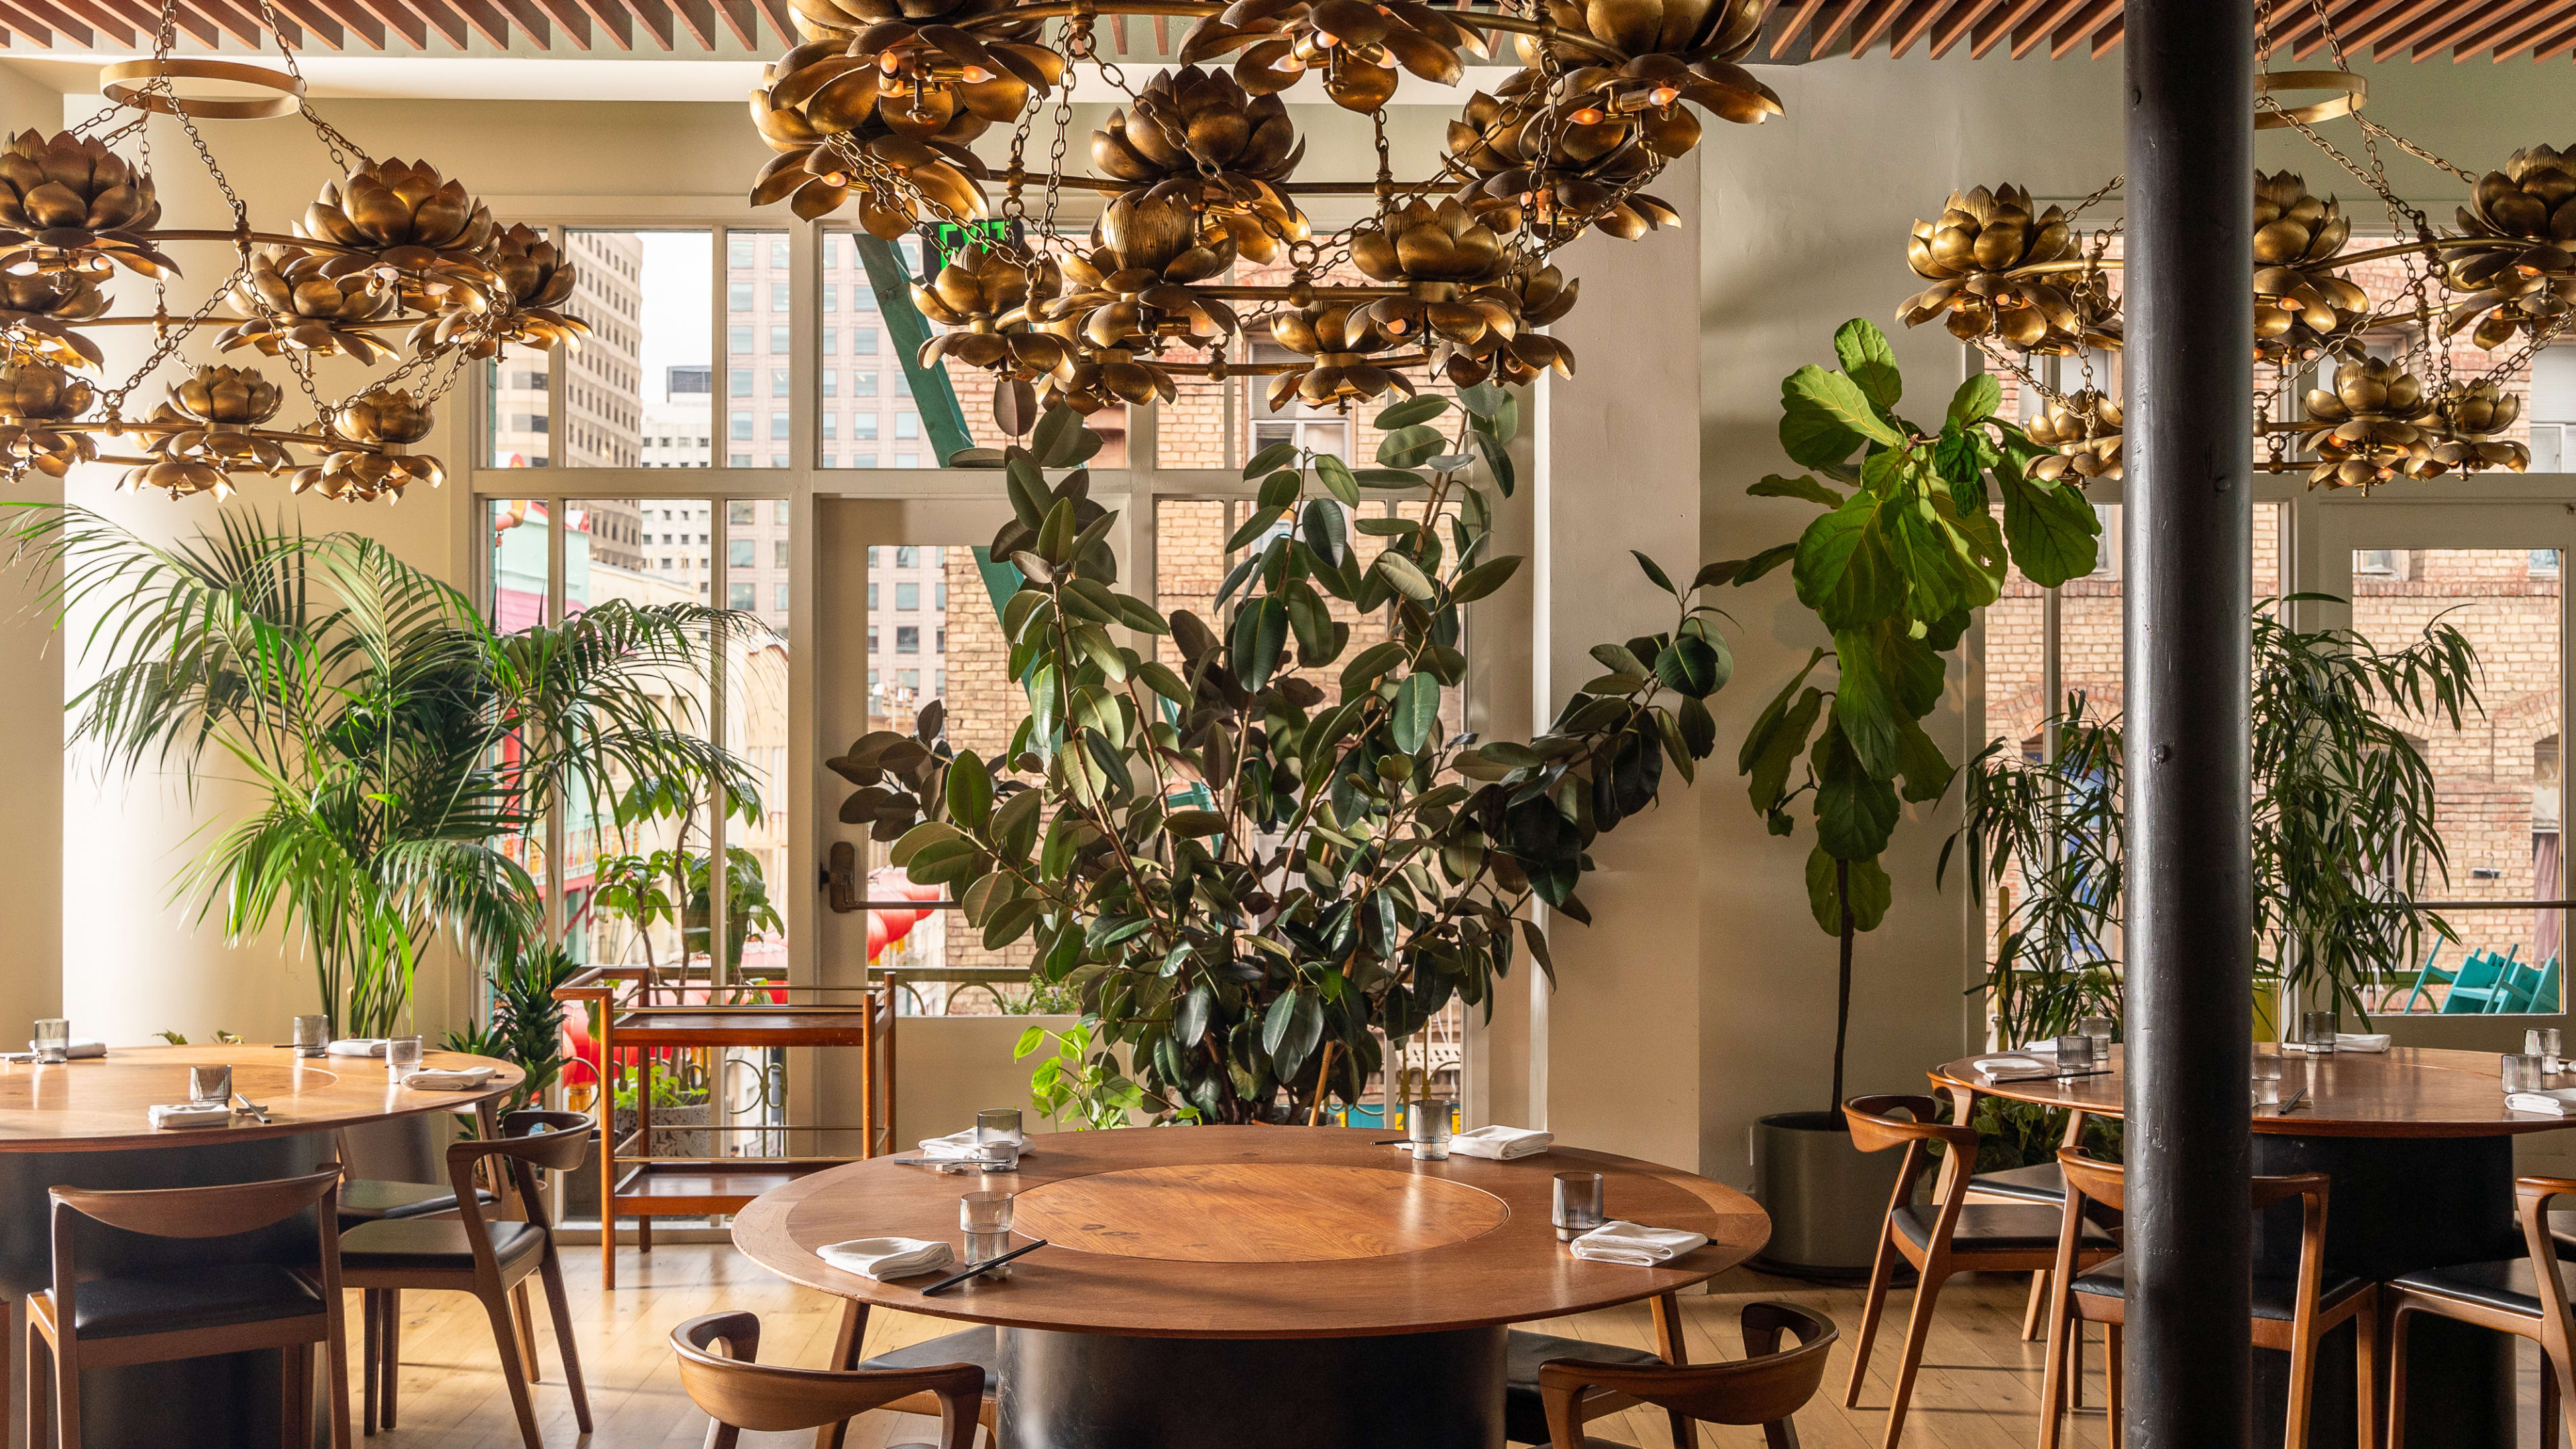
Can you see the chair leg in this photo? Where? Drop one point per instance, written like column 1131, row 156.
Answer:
column 2554, row 1403
column 2111, row 1377
column 559, row 1307
column 513, row 1372
column 370, row 1353
column 40, row 1365
column 391, row 1307
column 1918, row 1329
column 2037, row 1308
column 1881, row 1269
column 2365, row 1371
column 2052, row 1380
column 643, row 1235
column 2075, row 1360
column 295, row 1396
column 67, row 1404
column 608, row 1250
column 334, row 1351
column 2397, row 1376
column 1671, row 1348
column 845, row 1356
column 526, row 1319
column 2303, row 1390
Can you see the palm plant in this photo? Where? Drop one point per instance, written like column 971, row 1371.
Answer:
column 395, row 740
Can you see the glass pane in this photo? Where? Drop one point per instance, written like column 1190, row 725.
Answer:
column 638, row 392
column 2496, row 777
column 515, row 409
column 756, row 347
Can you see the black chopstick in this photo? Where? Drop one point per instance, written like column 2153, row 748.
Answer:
column 989, row 1264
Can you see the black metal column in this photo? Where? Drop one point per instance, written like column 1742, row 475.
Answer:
column 2189, row 533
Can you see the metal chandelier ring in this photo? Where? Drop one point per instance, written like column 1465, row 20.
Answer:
column 113, row 83
column 2352, row 92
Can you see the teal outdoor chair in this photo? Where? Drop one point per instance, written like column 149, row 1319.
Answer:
column 2428, row 977
column 2530, row 988
column 2481, row 980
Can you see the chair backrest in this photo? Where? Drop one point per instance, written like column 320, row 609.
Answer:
column 1875, row 1129
column 2532, row 1197
column 2091, row 1179
column 556, row 1141
column 2521, row 984
column 1764, row 1388
column 738, row 1393
column 197, row 1212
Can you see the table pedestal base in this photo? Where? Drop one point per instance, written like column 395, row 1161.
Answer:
column 2399, row 1204
column 1402, row 1391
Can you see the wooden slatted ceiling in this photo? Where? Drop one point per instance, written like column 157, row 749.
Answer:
column 2378, row 30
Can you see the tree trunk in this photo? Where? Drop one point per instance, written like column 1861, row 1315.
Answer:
column 1842, row 1001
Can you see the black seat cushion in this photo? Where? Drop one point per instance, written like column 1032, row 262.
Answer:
column 205, row 1297
column 370, row 1199
column 2041, row 1182
column 2506, row 1284
column 412, row 1245
column 1524, row 1416
column 1995, row 1229
column 981, row 1347
column 2276, row 1296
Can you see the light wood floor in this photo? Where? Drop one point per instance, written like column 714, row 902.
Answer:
column 1977, row 1390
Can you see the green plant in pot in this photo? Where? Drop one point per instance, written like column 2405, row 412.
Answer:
column 1254, row 839
column 395, row 743
column 1908, row 546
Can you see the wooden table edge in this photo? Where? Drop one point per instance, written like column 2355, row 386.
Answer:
column 2297, row 1124
column 413, row 1102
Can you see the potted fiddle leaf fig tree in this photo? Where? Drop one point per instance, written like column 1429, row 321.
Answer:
column 1908, row 545
column 1250, row 841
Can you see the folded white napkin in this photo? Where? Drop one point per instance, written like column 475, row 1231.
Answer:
column 2015, row 1068
column 955, row 1147
column 440, row 1079
column 1635, row 1244
column 2361, row 1041
column 80, row 1047
column 1501, row 1143
column 359, row 1046
column 883, row 1258
column 189, row 1115
column 2545, row 1104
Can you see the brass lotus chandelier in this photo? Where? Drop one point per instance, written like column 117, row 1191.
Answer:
column 2354, row 390
column 875, row 111
column 391, row 264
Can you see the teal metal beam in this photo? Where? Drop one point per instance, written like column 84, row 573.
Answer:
column 942, row 417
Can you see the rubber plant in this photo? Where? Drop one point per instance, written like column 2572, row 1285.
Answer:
column 1910, row 544
column 1248, row 844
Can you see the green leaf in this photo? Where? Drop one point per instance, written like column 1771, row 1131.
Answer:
column 1413, row 410
column 1029, row 1041
column 1824, row 418
column 1761, row 563
column 1483, row 399
column 1484, row 578
column 1919, row 762
column 1280, row 489
column 1326, row 530
column 1290, row 1042
column 1337, row 479
column 1871, row 891
column 970, row 791
column 1855, row 811
column 1372, row 662
column 1802, row 486
column 1055, row 536
column 1407, row 447
column 1976, row 400
column 1780, row 746
column 1698, row 727
column 1015, row 824
column 1027, row 488
column 1261, row 522
column 1417, row 712
column 1269, row 458
column 1405, row 575
column 928, row 832
column 1194, row 824
column 1621, row 659
column 1655, row 573
column 1159, row 678
column 1497, row 454
column 1869, row 361
column 1961, row 457
column 2054, row 533
column 1190, row 1018
column 1844, row 570
column 1260, row 633
column 1688, row 666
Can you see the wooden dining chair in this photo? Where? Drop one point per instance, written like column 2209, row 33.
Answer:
column 739, row 1393
column 1525, row 1417
column 2292, row 1314
column 195, row 1311
column 980, row 1346
column 2526, row 1297
column 2037, row 1184
column 1946, row 1237
column 1765, row 1387
column 475, row 1253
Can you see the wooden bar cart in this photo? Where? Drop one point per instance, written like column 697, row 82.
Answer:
column 650, row 1009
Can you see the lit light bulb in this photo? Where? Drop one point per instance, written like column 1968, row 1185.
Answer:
column 889, row 62
column 1326, row 40
column 1586, row 116
column 1395, row 326
column 836, row 178
column 1663, row 95
column 976, row 75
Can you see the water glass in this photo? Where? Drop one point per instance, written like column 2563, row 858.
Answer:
column 2267, row 1090
column 402, row 1056
column 210, row 1086
column 1579, row 1205
column 2317, row 1032
column 2074, row 1056
column 2267, row 1067
column 53, row 1041
column 312, row 1036
column 2098, row 1028
column 2543, row 1042
column 997, row 1154
column 1426, row 1127
column 2521, row 1073
column 986, row 1219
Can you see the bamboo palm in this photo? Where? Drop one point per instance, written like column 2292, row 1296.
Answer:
column 396, row 741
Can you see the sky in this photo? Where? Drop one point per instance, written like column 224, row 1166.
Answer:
column 678, row 305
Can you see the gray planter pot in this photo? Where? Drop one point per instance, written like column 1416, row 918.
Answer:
column 675, row 1143
column 1827, row 1199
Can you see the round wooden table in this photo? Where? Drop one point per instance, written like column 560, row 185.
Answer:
column 83, row 1124
column 2419, row 1144
column 1257, row 1287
